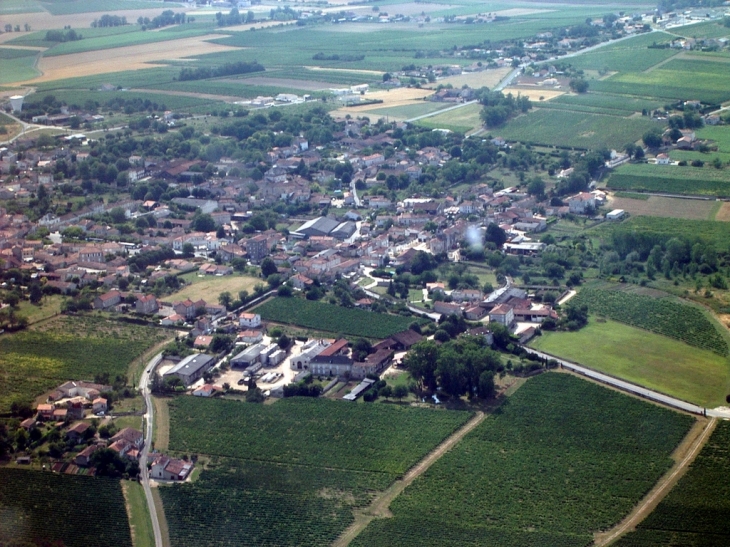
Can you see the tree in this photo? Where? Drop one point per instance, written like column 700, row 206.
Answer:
column 225, row 299
column 36, row 294
column 284, row 341
column 536, row 187
column 495, row 235
column 118, row 215
column 652, row 139
column 486, row 384
column 400, row 391
column 188, row 250
column 421, row 363
column 203, row 223
column 579, row 85
column 268, row 267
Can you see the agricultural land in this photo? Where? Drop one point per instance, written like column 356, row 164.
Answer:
column 542, row 469
column 300, row 471
column 72, row 510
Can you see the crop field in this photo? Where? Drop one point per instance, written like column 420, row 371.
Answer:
column 298, row 472
column 73, row 510
column 626, row 56
column 65, row 7
column 644, row 358
column 408, row 111
column 671, row 179
column 133, row 38
column 682, row 322
column 604, row 100
column 130, row 57
column 331, row 318
column 709, row 29
column 658, row 206
column 210, row 287
column 125, row 78
column 67, row 348
column 169, row 101
column 460, row 120
column 581, row 130
column 19, row 6
column 17, row 69
column 585, row 108
column 696, row 513
column 545, row 470
column 311, row 432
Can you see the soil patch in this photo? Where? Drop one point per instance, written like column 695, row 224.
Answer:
column 534, row 93
column 723, row 214
column 658, row 206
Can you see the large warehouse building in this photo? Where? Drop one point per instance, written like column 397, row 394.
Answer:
column 325, row 226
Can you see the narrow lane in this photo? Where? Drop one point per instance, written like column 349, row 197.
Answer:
column 149, row 418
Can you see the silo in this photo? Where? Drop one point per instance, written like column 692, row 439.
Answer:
column 16, row 103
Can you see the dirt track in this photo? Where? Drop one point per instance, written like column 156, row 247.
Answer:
column 686, row 452
column 379, row 508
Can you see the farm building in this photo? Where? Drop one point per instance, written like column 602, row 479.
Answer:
column 309, row 351
column 106, row 301
column 616, row 214
column 359, row 389
column 191, row 368
column 248, row 357
column 335, row 360
column 170, row 469
column 502, row 314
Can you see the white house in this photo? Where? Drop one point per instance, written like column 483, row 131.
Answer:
column 581, row 203
column 502, row 314
column 249, row 320
column 662, row 159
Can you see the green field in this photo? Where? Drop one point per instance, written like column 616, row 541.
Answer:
column 409, row 111
column 10, row 7
column 671, row 179
column 17, row 69
column 606, row 101
column 460, row 120
column 657, row 230
column 331, row 318
column 546, row 470
column 297, row 468
column 575, row 129
column 645, row 358
column 67, row 348
column 665, row 316
column 696, row 513
column 74, row 510
column 66, row 7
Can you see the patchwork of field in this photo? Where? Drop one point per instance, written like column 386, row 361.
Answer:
column 671, row 179
column 124, row 58
column 44, row 508
column 658, row 206
column 545, row 470
column 67, row 348
column 647, row 359
column 696, row 513
column 296, row 475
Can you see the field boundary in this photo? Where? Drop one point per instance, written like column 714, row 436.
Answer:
column 662, row 488
column 379, row 507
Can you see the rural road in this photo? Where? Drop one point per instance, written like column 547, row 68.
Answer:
column 635, row 389
column 149, row 417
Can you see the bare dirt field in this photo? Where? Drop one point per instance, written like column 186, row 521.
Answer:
column 307, row 85
column 43, row 20
column 125, row 58
column 394, row 97
column 486, row 78
column 534, row 93
column 657, row 206
column 723, row 214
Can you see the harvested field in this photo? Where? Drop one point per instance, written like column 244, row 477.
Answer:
column 534, row 93
column 43, row 20
column 658, row 206
column 307, row 85
column 485, row 78
column 125, row 58
column 723, row 215
column 394, row 97
column 258, row 25
column 515, row 12
column 359, row 71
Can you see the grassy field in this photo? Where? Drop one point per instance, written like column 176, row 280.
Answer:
column 408, row 111
column 10, row 7
column 666, row 316
column 460, row 120
column 65, row 7
column 18, row 68
column 545, row 470
column 67, row 348
column 296, row 475
column 696, row 511
column 50, row 306
column 75, row 511
column 604, row 100
column 210, row 287
column 575, row 129
column 332, row 318
column 139, row 516
column 648, row 359
column 662, row 229
column 672, row 179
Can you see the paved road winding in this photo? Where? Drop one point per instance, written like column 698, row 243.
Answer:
column 149, row 417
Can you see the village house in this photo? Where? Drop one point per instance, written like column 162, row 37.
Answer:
column 249, row 320
column 107, row 300
column 170, row 469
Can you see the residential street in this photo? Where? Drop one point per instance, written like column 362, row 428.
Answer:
column 149, row 419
